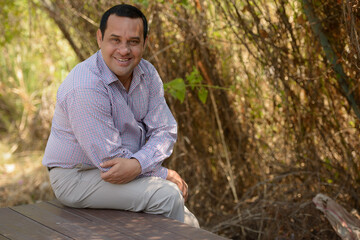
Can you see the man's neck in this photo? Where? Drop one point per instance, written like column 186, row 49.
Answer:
column 127, row 83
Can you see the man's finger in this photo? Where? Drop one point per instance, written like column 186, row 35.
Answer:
column 104, row 175
column 185, row 192
column 108, row 163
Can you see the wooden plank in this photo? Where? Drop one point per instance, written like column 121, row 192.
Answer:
column 68, row 223
column 16, row 226
column 156, row 225
column 132, row 223
column 174, row 226
column 138, row 232
column 185, row 230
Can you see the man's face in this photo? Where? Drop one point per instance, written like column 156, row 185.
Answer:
column 122, row 45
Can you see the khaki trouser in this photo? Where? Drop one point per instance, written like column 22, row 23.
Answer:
column 86, row 189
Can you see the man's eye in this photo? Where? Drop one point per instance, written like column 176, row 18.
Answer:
column 115, row 40
column 134, row 42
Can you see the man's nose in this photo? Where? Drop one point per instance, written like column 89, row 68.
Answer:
column 124, row 49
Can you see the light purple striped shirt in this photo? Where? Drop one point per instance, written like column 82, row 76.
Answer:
column 96, row 119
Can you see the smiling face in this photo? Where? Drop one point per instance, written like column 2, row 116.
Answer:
column 122, row 46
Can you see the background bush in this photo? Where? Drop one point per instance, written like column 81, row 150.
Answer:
column 266, row 95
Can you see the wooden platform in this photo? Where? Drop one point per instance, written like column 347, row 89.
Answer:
column 51, row 220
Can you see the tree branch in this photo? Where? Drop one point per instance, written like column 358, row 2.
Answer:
column 330, row 55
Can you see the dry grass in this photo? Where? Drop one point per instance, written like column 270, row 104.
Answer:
column 255, row 156
column 23, row 179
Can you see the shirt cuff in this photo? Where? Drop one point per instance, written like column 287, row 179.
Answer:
column 161, row 172
column 144, row 160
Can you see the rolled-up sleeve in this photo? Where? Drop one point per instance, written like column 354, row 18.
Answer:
column 161, row 132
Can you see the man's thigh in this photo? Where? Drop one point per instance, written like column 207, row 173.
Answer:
column 86, row 189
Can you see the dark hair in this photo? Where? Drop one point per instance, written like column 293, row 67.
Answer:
column 123, row 10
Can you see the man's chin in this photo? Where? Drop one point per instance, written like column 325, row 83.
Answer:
column 122, row 71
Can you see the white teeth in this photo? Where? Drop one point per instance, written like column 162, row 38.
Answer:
column 122, row 60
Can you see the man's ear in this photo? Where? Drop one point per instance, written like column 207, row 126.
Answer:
column 145, row 42
column 99, row 37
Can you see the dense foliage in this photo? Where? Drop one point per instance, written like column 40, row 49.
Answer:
column 266, row 95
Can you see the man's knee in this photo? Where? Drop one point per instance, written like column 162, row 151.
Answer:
column 168, row 201
column 173, row 196
column 169, row 193
column 70, row 200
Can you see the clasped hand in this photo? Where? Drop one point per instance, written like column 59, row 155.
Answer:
column 174, row 177
column 122, row 170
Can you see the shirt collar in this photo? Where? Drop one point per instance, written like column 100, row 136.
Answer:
column 137, row 76
column 109, row 77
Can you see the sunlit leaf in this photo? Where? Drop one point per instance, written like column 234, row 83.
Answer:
column 194, row 78
column 202, row 94
column 176, row 88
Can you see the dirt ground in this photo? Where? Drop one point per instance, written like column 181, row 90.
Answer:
column 23, row 179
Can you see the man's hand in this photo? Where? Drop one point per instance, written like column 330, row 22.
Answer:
column 174, row 177
column 122, row 170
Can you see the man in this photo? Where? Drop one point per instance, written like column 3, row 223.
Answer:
column 112, row 128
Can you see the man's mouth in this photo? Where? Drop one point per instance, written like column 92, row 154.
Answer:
column 123, row 59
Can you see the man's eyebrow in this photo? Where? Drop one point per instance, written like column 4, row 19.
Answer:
column 135, row 38
column 132, row 38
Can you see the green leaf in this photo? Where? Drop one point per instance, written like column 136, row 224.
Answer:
column 202, row 94
column 176, row 88
column 144, row 3
column 194, row 78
